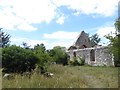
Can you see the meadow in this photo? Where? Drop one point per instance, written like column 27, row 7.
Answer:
column 67, row 77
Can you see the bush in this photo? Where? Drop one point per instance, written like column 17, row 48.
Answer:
column 41, row 69
column 17, row 59
column 58, row 55
column 43, row 56
column 77, row 61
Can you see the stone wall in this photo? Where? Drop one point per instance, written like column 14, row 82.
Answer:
column 82, row 41
column 97, row 56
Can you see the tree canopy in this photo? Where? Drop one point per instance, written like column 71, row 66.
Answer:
column 94, row 40
column 4, row 38
column 59, row 56
column 115, row 43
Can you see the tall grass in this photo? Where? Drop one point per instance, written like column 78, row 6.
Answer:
column 68, row 77
column 0, row 78
column 0, row 67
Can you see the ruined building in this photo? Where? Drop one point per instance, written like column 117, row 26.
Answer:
column 95, row 56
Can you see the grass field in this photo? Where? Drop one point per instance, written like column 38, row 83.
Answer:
column 0, row 78
column 68, row 77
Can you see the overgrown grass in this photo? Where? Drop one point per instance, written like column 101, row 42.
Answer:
column 68, row 77
column 0, row 68
column 0, row 78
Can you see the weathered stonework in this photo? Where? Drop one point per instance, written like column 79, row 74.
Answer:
column 97, row 56
column 82, row 41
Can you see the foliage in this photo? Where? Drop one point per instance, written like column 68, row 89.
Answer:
column 4, row 38
column 115, row 43
column 72, row 48
column 17, row 59
column 25, row 45
column 117, row 25
column 94, row 39
column 43, row 56
column 77, row 61
column 59, row 56
column 41, row 47
column 0, row 57
column 41, row 69
column 41, row 53
column 51, row 54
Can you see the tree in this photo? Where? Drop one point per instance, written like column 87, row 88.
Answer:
column 43, row 56
column 25, row 45
column 117, row 26
column 94, row 39
column 115, row 43
column 59, row 56
column 4, row 38
column 40, row 46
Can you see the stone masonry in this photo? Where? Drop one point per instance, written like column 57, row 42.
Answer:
column 98, row 56
column 95, row 56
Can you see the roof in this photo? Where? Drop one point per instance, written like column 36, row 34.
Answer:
column 82, row 41
column 80, row 35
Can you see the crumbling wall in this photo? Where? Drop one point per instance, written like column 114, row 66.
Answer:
column 100, row 56
column 104, row 57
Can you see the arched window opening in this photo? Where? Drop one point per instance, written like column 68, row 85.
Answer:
column 84, row 46
column 74, row 54
column 92, row 55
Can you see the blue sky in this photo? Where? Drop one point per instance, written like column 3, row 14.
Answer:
column 56, row 22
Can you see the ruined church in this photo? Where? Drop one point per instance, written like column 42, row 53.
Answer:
column 95, row 56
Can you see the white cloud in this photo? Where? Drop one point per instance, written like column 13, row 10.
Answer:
column 76, row 13
column 62, row 43
column 26, row 27
column 105, row 31
column 35, row 42
column 61, row 35
column 61, row 38
column 21, row 14
column 61, row 20
column 31, row 42
column 18, row 39
column 48, row 44
column 102, row 31
column 101, row 7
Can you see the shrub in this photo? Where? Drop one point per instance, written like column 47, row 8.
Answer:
column 41, row 69
column 77, row 61
column 81, row 60
column 43, row 56
column 58, row 55
column 17, row 59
